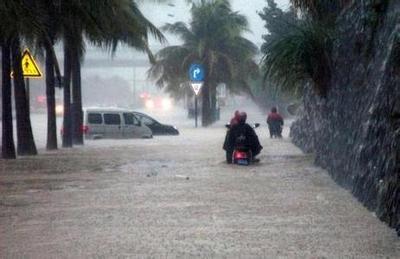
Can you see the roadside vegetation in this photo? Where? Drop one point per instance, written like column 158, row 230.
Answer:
column 40, row 25
column 298, row 48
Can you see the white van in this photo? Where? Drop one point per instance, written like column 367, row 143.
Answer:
column 113, row 123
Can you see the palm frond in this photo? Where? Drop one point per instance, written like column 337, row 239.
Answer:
column 180, row 29
column 297, row 56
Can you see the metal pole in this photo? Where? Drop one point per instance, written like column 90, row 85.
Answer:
column 134, row 85
column 27, row 92
column 195, row 109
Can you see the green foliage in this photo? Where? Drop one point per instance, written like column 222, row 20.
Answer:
column 129, row 26
column 297, row 56
column 74, row 20
column 297, row 50
column 277, row 22
column 19, row 18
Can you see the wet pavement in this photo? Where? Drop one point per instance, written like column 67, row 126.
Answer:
column 175, row 197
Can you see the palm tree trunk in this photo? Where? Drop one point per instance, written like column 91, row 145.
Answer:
column 77, row 100
column 67, row 122
column 51, row 102
column 26, row 144
column 206, row 111
column 8, row 147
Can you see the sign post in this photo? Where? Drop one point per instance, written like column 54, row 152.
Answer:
column 28, row 90
column 29, row 69
column 196, row 75
column 196, row 88
column 195, row 111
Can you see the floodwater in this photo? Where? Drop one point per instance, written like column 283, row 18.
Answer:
column 176, row 197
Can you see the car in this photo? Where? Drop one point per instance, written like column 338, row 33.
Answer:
column 113, row 123
column 156, row 127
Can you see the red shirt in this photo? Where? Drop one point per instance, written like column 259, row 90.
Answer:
column 274, row 116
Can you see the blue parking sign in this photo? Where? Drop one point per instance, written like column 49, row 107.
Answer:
column 196, row 72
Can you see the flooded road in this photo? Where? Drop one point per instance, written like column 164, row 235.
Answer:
column 175, row 196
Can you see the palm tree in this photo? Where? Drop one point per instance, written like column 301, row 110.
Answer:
column 46, row 41
column 302, row 52
column 128, row 26
column 27, row 26
column 26, row 144
column 51, row 142
column 8, row 147
column 300, row 55
column 214, row 40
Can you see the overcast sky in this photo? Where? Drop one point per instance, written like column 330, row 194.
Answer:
column 159, row 14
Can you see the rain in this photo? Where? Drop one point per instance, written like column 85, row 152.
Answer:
column 125, row 140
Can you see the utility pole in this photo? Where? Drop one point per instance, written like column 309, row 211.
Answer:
column 134, row 86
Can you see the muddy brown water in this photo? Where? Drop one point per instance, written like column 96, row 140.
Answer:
column 175, row 197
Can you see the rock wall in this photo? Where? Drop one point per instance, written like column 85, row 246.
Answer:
column 355, row 131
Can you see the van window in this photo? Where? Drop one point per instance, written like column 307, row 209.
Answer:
column 147, row 121
column 136, row 120
column 129, row 119
column 112, row 119
column 95, row 118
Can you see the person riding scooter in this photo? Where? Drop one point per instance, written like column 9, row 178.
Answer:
column 229, row 151
column 243, row 135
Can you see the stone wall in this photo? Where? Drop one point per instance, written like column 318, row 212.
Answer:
column 355, row 131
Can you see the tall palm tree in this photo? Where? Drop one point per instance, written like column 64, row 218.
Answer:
column 302, row 52
column 51, row 63
column 128, row 26
column 26, row 144
column 8, row 147
column 45, row 41
column 214, row 39
column 27, row 26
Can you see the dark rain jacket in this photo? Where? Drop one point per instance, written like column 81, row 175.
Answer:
column 242, row 135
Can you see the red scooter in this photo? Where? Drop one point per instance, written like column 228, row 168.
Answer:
column 242, row 156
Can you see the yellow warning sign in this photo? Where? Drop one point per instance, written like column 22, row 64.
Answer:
column 29, row 67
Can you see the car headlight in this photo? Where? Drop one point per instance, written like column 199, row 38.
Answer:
column 149, row 104
column 166, row 104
